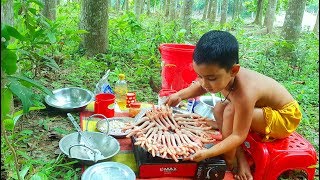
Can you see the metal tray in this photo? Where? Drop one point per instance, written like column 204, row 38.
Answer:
column 108, row 171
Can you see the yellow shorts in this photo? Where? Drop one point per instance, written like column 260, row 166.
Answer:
column 282, row 122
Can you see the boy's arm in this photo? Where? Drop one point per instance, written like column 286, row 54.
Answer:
column 193, row 90
column 241, row 125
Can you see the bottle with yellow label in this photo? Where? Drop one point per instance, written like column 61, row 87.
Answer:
column 121, row 89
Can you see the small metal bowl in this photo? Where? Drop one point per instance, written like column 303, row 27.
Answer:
column 205, row 105
column 70, row 99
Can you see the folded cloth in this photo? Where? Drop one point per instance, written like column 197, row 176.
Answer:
column 127, row 158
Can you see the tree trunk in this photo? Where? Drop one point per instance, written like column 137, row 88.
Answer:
column 187, row 13
column 163, row 6
column 109, row 5
column 117, row 6
column 258, row 19
column 316, row 26
column 224, row 10
column 126, row 5
column 240, row 8
column 49, row 9
column 167, row 8
column 172, row 10
column 148, row 7
column 209, row 9
column 94, row 19
column 142, row 6
column 235, row 10
column 270, row 15
column 293, row 19
column 7, row 15
column 177, row 7
column 137, row 8
column 122, row 5
column 205, row 10
column 219, row 8
column 214, row 11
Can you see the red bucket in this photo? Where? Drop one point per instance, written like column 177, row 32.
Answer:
column 104, row 104
column 177, row 71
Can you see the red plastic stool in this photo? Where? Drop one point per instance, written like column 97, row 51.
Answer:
column 271, row 159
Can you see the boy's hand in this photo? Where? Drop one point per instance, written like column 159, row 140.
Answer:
column 173, row 100
column 198, row 156
column 209, row 122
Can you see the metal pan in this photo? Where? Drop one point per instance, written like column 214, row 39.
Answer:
column 108, row 171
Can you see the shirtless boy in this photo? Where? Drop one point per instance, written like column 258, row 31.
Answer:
column 253, row 102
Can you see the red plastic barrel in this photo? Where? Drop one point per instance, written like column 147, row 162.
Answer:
column 177, row 72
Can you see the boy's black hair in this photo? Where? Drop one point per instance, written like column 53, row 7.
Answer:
column 217, row 47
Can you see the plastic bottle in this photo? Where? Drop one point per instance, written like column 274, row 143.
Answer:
column 103, row 85
column 121, row 89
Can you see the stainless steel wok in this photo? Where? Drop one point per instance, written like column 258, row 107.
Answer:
column 71, row 146
column 89, row 147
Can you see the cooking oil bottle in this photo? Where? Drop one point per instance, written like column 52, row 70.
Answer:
column 121, row 89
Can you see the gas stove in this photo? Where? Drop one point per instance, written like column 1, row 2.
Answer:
column 152, row 167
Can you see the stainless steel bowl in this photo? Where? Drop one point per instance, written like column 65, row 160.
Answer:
column 205, row 105
column 71, row 146
column 70, row 98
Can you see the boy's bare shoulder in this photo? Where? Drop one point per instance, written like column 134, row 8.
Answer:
column 250, row 79
column 254, row 87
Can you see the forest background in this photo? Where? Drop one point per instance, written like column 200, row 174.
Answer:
column 46, row 45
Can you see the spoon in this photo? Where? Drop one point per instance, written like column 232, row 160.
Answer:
column 87, row 143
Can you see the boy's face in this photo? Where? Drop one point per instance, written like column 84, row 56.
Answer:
column 212, row 77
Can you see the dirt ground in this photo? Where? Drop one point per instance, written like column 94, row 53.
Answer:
column 47, row 127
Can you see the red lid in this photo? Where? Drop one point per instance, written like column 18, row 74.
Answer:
column 166, row 92
column 135, row 105
column 131, row 94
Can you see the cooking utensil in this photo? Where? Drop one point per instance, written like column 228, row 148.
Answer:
column 205, row 105
column 97, row 154
column 108, row 171
column 107, row 145
column 88, row 147
column 70, row 99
